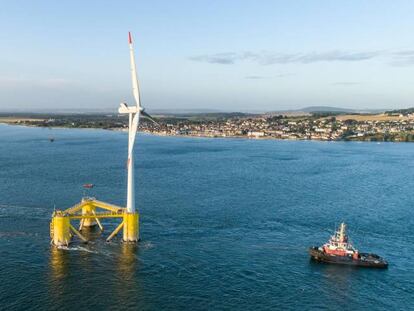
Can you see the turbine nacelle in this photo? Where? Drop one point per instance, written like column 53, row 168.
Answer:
column 125, row 109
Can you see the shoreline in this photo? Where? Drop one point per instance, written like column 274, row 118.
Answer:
column 199, row 136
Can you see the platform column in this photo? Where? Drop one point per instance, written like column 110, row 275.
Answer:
column 131, row 227
column 60, row 230
column 88, row 209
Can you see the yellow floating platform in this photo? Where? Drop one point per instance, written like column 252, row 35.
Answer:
column 89, row 214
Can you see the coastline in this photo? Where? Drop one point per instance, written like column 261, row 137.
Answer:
column 198, row 135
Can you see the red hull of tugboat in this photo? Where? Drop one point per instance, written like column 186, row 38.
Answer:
column 363, row 260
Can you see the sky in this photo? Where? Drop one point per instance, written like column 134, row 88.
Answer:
column 231, row 55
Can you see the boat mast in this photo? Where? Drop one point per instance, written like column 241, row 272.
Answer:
column 342, row 233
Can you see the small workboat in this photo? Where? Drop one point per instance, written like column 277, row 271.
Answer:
column 339, row 250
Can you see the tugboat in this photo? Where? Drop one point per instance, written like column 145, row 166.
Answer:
column 339, row 250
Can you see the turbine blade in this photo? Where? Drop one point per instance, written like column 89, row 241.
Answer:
column 148, row 116
column 132, row 133
column 134, row 77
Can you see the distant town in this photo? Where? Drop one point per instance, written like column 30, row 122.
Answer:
column 396, row 125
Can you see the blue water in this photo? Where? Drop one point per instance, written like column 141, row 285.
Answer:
column 225, row 223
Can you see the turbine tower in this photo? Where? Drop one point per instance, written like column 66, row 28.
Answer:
column 134, row 114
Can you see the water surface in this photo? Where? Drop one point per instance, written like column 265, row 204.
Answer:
column 225, row 223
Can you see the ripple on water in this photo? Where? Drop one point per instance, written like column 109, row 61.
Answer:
column 225, row 224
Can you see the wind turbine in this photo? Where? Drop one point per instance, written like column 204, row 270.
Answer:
column 61, row 230
column 134, row 113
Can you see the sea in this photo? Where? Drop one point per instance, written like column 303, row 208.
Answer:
column 225, row 223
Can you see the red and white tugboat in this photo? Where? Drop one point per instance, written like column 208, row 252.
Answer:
column 339, row 250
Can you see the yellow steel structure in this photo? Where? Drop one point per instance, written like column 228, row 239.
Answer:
column 87, row 209
column 131, row 227
column 62, row 231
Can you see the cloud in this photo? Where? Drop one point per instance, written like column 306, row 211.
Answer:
column 280, row 75
column 403, row 58
column 283, row 75
column 220, row 58
column 395, row 57
column 270, row 58
column 404, row 53
column 255, row 77
column 346, row 83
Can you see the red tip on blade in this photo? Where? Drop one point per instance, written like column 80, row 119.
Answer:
column 129, row 38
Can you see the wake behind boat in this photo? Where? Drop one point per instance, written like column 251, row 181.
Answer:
column 339, row 250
